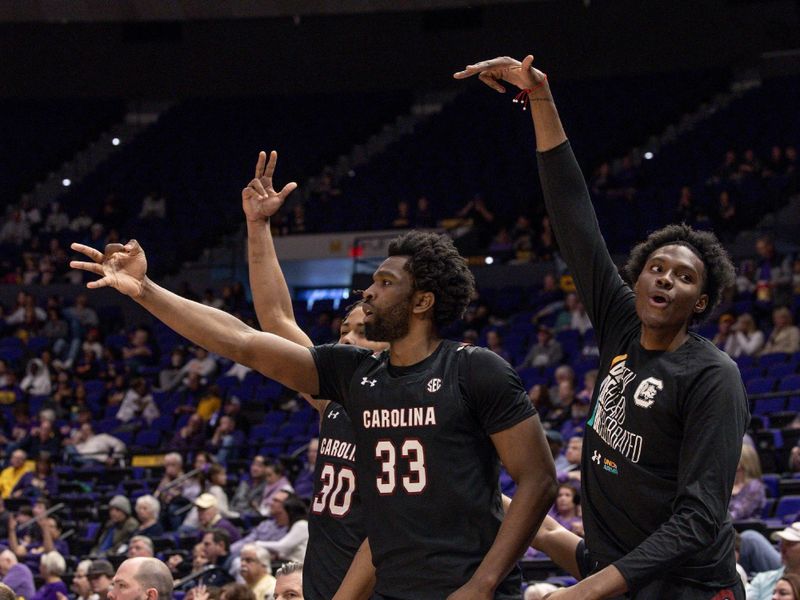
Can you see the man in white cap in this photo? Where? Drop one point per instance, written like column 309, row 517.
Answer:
column 763, row 584
column 209, row 517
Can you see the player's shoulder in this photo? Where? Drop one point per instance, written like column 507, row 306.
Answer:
column 704, row 356
column 478, row 359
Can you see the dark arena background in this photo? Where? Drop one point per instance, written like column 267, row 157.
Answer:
column 143, row 120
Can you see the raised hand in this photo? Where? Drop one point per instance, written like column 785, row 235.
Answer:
column 121, row 267
column 259, row 199
column 504, row 68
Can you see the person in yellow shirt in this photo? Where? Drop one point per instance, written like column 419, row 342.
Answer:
column 14, row 472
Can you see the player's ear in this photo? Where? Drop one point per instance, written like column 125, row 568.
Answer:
column 701, row 304
column 423, row 301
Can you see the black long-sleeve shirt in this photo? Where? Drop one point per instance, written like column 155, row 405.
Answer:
column 665, row 430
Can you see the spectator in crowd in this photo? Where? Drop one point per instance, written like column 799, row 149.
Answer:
column 42, row 441
column 87, row 447
column 140, row 545
column 256, row 570
column 235, row 591
column 216, row 546
column 99, row 574
column 724, row 330
column 494, row 342
column 15, row 231
column 226, row 441
column 289, row 582
column 560, row 412
column 573, row 315
column 39, row 482
column 561, row 374
column 556, row 442
column 423, row 215
column 37, row 380
column 402, row 218
column 539, row 590
column 148, row 511
column 138, row 403
column 292, row 513
column 567, row 508
column 773, row 275
column 787, row 588
column 154, row 207
column 118, row 529
column 170, row 376
column 36, row 540
column 85, row 316
column 546, row 352
column 763, row 584
column 481, row 224
column 539, row 396
column 304, row 482
column 575, row 423
column 209, row 517
column 749, row 496
column 137, row 353
column 10, row 476
column 247, row 499
column 57, row 220
column 80, row 582
column 175, row 490
column 142, row 577
column 276, row 482
column 16, row 575
column 203, row 365
column 572, row 472
column 266, row 530
column 785, row 336
column 189, row 437
column 51, row 567
column 745, row 339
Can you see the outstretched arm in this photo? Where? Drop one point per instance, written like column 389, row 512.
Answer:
column 360, row 578
column 125, row 267
column 271, row 296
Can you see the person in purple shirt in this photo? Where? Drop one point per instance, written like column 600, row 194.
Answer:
column 16, row 575
column 748, row 495
column 51, row 567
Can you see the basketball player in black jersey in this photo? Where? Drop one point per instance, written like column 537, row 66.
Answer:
column 432, row 419
column 336, row 522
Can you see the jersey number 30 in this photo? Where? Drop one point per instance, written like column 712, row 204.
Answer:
column 342, row 483
column 415, row 481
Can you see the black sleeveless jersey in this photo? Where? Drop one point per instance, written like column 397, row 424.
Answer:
column 335, row 522
column 428, row 471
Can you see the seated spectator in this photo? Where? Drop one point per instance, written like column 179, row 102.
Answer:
column 118, row 529
column 494, row 342
column 37, row 380
column 16, row 575
column 762, row 585
column 39, row 482
column 572, row 472
column 724, row 331
column 539, row 396
column 563, row 373
column 80, row 582
column 99, row 574
column 276, row 482
column 546, row 352
column 203, row 365
column 10, row 476
column 216, row 546
column 175, row 491
column 266, row 530
column 138, row 403
column 745, row 338
column 51, row 567
column 33, row 539
column 148, row 511
column 423, row 215
column 573, row 315
column 292, row 513
column 304, row 482
column 170, row 376
column 235, row 591
column 189, row 437
column 247, row 499
column 567, row 509
column 575, row 424
column 788, row 587
column 85, row 316
column 43, row 440
column 773, row 275
column 154, row 206
column 137, row 353
column 256, row 570
column 226, row 441
column 289, row 582
column 141, row 546
column 402, row 218
column 785, row 336
column 560, row 413
column 86, row 447
column 748, row 496
column 208, row 518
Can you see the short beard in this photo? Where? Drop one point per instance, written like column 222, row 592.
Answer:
column 392, row 325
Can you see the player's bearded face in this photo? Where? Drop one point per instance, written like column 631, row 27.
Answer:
column 390, row 323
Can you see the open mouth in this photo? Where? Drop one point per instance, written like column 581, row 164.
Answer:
column 659, row 300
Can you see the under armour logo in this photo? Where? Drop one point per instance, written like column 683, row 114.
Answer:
column 367, row 380
column 333, row 415
column 434, row 385
column 596, row 457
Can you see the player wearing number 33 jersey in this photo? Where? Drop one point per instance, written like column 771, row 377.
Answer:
column 428, row 471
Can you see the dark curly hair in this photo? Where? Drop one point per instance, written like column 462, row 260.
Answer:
column 719, row 270
column 436, row 266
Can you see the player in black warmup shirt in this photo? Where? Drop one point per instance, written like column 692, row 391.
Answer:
column 665, row 430
column 429, row 445
column 336, row 527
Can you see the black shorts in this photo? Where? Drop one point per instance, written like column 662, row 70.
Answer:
column 662, row 588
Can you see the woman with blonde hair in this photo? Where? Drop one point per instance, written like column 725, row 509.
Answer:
column 748, row 496
column 745, row 338
column 785, row 336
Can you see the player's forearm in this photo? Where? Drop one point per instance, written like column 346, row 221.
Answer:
column 224, row 334
column 546, row 122
column 559, row 544
column 360, row 578
column 607, row 583
column 534, row 496
column 271, row 296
